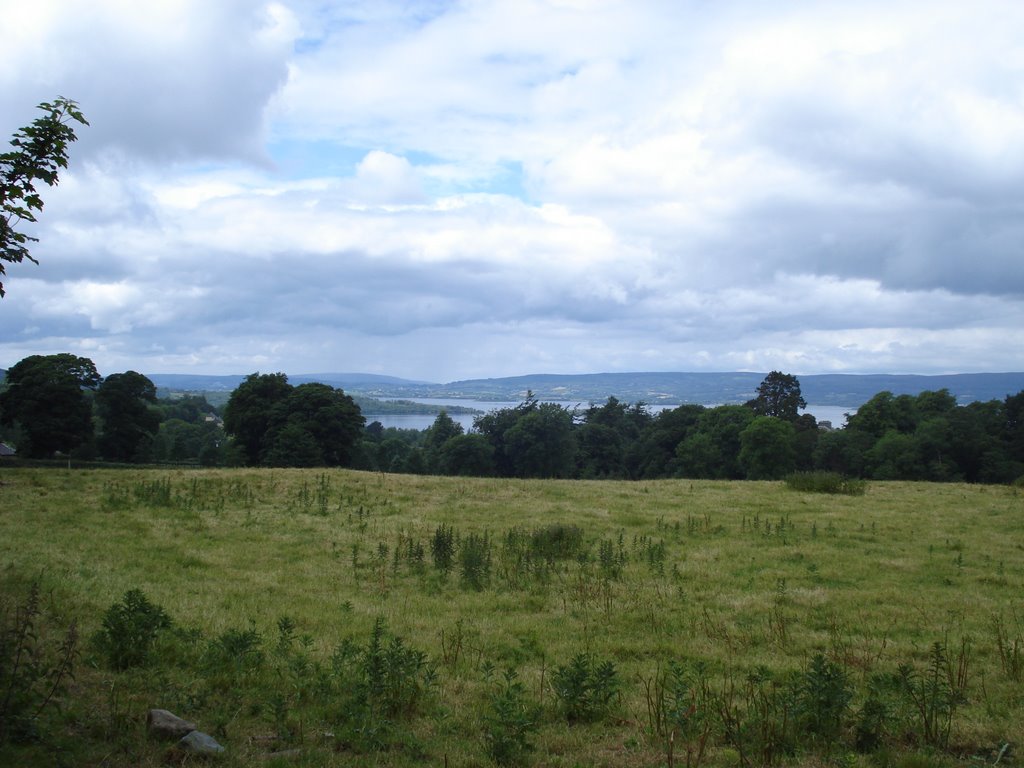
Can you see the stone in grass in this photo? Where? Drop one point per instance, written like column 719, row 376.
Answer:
column 199, row 743
column 161, row 724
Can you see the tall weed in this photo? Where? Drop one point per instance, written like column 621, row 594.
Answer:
column 33, row 673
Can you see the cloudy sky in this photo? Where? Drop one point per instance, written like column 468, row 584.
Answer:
column 444, row 190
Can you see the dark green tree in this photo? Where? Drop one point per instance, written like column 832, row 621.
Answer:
column 601, row 452
column 495, row 424
column 930, row 404
column 767, row 448
column 40, row 151
column 933, row 444
column 807, row 435
column 441, row 431
column 248, row 412
column 843, row 451
column 330, row 417
column 1013, row 424
column 191, row 408
column 895, row 456
column 435, row 436
column 292, row 446
column 469, row 455
column 45, row 396
column 541, row 443
column 885, row 412
column 654, row 453
column 778, row 395
column 124, row 404
column 712, row 448
column 608, row 437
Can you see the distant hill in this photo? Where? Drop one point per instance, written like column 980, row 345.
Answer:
column 848, row 390
column 839, row 389
column 189, row 382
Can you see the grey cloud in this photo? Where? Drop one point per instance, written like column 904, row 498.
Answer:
column 194, row 90
column 685, row 211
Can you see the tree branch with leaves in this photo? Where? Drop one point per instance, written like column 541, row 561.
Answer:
column 40, row 152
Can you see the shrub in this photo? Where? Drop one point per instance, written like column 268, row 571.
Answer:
column 129, row 630
column 238, row 651
column 823, row 696
column 509, row 721
column 556, row 541
column 825, row 482
column 475, row 561
column 442, row 548
column 585, row 687
column 377, row 684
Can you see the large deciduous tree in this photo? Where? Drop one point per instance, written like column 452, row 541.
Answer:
column 779, row 395
column 40, row 151
column 45, row 396
column 712, row 448
column 436, row 436
column 128, row 421
column 278, row 424
column 330, row 418
column 542, row 443
column 247, row 413
column 767, row 448
column 467, row 455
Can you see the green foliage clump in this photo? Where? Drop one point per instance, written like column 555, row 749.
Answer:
column 825, row 482
column 509, row 721
column 40, row 152
column 824, row 694
column 557, row 541
column 377, row 685
column 475, row 560
column 235, row 652
column 129, row 630
column 442, row 548
column 585, row 687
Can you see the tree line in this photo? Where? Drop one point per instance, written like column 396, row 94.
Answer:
column 60, row 404
column 905, row 437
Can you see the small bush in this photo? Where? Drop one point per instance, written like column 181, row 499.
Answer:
column 585, row 688
column 826, row 482
column 129, row 630
column 509, row 721
column 377, row 685
column 442, row 548
column 475, row 561
column 238, row 651
column 823, row 696
column 557, row 541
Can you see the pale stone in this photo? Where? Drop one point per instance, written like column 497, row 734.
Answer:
column 161, row 724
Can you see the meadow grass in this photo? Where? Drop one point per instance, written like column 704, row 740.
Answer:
column 743, row 582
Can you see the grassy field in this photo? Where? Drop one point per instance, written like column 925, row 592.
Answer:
column 579, row 623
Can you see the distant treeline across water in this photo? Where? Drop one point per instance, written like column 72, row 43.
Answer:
column 834, row 414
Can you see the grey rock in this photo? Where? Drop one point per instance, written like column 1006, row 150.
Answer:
column 200, row 743
column 161, row 724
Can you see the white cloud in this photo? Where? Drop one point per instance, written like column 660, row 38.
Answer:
column 442, row 190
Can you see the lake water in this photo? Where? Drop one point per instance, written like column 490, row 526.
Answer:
column 833, row 413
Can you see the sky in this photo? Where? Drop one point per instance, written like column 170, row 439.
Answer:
column 448, row 190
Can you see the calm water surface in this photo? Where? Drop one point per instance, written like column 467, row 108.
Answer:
column 833, row 413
